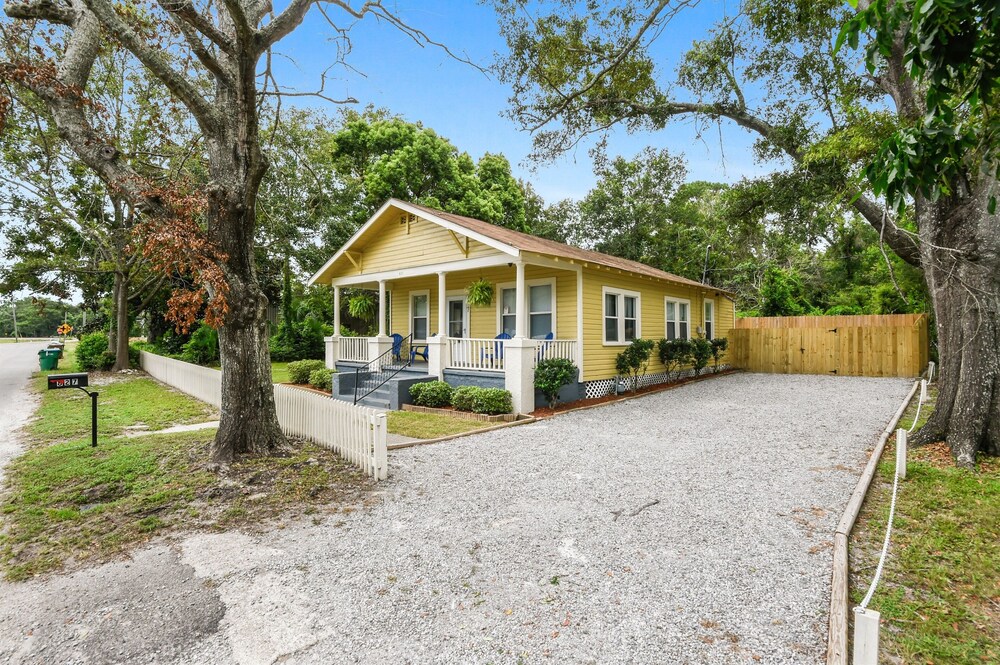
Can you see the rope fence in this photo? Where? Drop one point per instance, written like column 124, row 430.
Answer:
column 866, row 621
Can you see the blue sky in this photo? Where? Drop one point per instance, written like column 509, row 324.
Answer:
column 460, row 103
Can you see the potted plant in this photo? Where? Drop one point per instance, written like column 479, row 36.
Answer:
column 480, row 293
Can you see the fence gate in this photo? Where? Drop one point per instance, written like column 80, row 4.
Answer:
column 879, row 345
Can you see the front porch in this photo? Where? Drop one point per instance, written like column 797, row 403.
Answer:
column 535, row 314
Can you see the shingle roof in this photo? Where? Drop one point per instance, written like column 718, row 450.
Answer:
column 530, row 243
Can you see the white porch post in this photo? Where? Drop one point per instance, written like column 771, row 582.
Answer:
column 333, row 343
column 379, row 345
column 579, row 322
column 381, row 308
column 437, row 345
column 519, row 353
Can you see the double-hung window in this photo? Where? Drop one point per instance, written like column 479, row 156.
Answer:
column 709, row 319
column 622, row 320
column 541, row 309
column 678, row 317
column 419, row 311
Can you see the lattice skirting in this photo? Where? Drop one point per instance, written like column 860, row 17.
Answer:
column 602, row 387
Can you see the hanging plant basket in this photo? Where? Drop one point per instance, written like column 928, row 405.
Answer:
column 480, row 293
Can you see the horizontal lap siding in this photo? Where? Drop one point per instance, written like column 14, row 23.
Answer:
column 426, row 243
column 483, row 320
column 599, row 360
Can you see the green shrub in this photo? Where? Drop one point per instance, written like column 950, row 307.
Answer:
column 299, row 371
column 633, row 361
column 321, row 378
column 107, row 361
column 701, row 352
column 203, row 347
column 551, row 375
column 134, row 359
column 464, row 397
column 434, row 394
column 492, row 401
column 719, row 346
column 674, row 354
column 90, row 352
column 302, row 340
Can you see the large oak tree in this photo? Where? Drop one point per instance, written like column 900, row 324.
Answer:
column 214, row 58
column 579, row 70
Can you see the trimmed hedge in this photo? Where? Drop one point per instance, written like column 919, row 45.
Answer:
column 300, row 371
column 431, row 393
column 463, row 397
column 492, row 401
column 321, row 378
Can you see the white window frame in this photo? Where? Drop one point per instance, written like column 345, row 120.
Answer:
column 621, row 294
column 705, row 318
column 551, row 281
column 424, row 292
column 677, row 302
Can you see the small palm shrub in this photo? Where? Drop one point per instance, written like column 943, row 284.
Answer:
column 300, row 370
column 492, row 401
column 321, row 379
column 435, row 394
column 719, row 347
column 701, row 352
column 551, row 375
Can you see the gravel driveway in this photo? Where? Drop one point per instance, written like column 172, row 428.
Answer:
column 528, row 544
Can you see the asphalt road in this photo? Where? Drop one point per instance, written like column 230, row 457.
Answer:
column 17, row 362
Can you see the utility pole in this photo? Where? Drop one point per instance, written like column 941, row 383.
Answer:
column 13, row 310
column 704, row 270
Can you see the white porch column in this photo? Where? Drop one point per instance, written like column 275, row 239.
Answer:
column 336, row 311
column 438, row 355
column 579, row 322
column 332, row 351
column 520, row 313
column 381, row 308
column 442, row 330
column 519, row 372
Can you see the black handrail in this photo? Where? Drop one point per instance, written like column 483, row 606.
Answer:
column 376, row 373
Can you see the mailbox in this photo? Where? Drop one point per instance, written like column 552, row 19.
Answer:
column 67, row 381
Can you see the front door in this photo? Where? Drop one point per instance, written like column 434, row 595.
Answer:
column 458, row 317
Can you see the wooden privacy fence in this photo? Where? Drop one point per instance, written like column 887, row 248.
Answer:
column 356, row 433
column 877, row 345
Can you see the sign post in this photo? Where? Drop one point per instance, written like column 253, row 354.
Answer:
column 59, row 381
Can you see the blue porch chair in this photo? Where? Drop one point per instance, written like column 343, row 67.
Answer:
column 496, row 357
column 397, row 346
column 544, row 346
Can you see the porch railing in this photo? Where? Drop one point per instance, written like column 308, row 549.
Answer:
column 488, row 354
column 476, row 354
column 557, row 348
column 377, row 372
column 354, row 349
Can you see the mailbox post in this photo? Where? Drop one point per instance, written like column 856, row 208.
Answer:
column 59, row 381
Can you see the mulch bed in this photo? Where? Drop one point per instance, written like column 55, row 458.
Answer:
column 546, row 412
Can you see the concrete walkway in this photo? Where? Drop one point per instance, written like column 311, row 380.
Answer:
column 690, row 526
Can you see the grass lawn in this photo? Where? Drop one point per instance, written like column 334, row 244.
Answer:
column 66, row 501
column 279, row 372
column 430, row 425
column 940, row 592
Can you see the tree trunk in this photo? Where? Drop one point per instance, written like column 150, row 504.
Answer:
column 960, row 249
column 121, row 322
column 249, row 422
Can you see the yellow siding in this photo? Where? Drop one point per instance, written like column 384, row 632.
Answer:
column 599, row 358
column 483, row 320
column 397, row 246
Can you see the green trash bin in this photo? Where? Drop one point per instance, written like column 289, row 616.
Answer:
column 48, row 359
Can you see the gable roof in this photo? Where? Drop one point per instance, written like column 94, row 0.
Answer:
column 514, row 242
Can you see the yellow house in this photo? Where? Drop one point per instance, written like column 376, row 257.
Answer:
column 550, row 300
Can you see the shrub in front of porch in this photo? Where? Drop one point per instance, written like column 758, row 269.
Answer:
column 492, row 401
column 321, row 379
column 299, row 371
column 435, row 394
column 464, row 396
column 551, row 375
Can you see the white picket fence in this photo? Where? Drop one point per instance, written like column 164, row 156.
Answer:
column 356, row 433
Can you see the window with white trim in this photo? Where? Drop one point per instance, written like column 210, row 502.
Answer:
column 622, row 320
column 709, row 319
column 678, row 318
column 541, row 308
column 419, row 314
